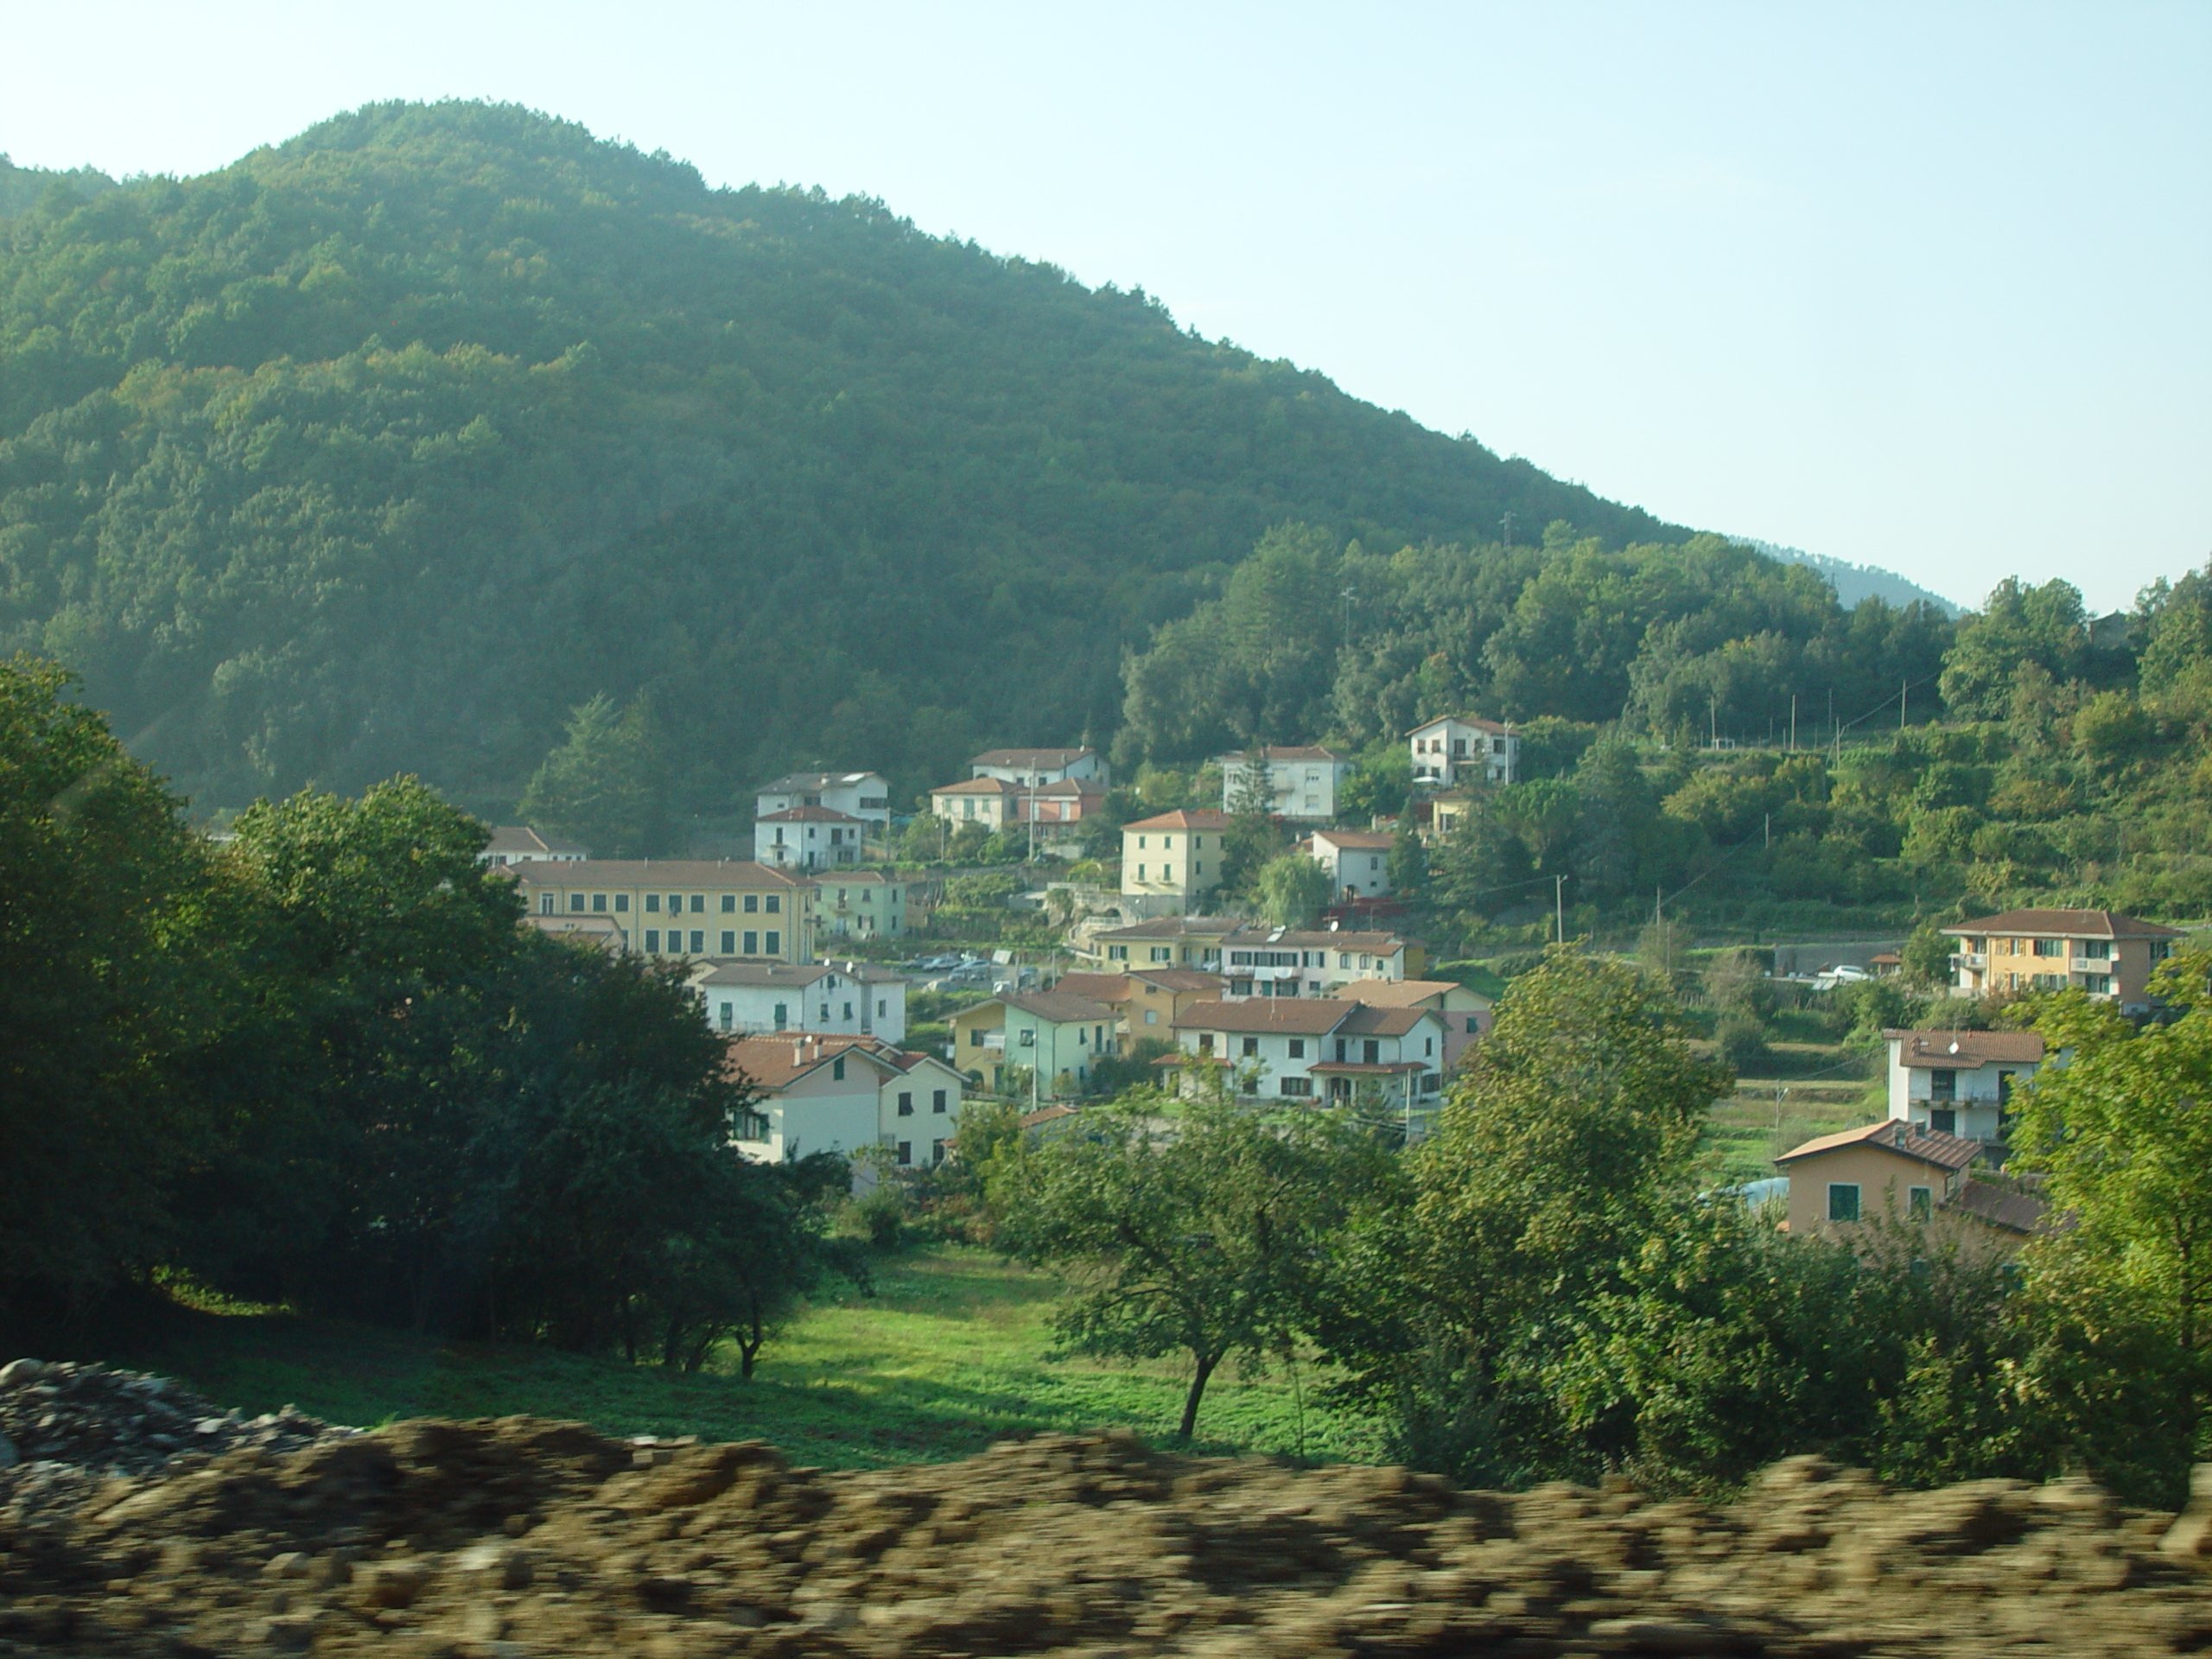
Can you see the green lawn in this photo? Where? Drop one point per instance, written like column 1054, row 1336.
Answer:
column 949, row 1355
column 1746, row 1129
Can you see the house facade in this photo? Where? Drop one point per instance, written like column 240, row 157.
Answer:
column 1035, row 766
column 1464, row 748
column 1175, row 857
column 1960, row 1083
column 1358, row 861
column 851, row 999
column 2109, row 956
column 517, row 844
column 1894, row 1170
column 858, row 905
column 1311, row 962
column 1464, row 1013
column 1163, row 942
column 807, row 838
column 1059, row 1036
column 862, row 795
column 1388, row 1059
column 991, row 802
column 681, row 907
column 1149, row 1000
column 845, row 1094
column 1301, row 784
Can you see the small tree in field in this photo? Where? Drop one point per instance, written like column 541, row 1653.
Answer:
column 1199, row 1236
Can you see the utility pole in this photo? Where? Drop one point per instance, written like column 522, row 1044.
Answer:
column 1792, row 722
column 1713, row 722
column 1558, row 906
column 1835, row 732
column 1901, row 691
column 1508, row 522
column 1346, row 596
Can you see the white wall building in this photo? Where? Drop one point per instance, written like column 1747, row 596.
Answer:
column 846, row 1095
column 863, row 795
column 1041, row 766
column 1962, row 1082
column 1462, row 748
column 846, row 999
column 1358, row 861
column 1301, row 782
column 517, row 844
column 1320, row 1050
column 807, row 838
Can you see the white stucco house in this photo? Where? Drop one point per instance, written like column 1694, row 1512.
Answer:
column 1960, row 1083
column 848, row 999
column 1464, row 748
column 1358, row 861
column 1301, row 783
column 1035, row 766
column 807, row 838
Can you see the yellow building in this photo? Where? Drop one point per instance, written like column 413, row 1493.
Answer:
column 1176, row 855
column 682, row 907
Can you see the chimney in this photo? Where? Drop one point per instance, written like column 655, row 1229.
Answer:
column 798, row 1053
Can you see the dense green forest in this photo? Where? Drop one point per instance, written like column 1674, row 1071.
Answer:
column 322, row 1065
column 383, row 449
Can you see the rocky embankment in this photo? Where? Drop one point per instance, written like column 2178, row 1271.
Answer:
column 135, row 1519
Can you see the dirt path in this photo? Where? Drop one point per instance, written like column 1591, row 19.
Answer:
column 519, row 1537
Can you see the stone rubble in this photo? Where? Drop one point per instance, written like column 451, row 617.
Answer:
column 517, row 1537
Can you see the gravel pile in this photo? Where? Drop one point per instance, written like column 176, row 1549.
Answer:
column 126, row 1422
column 516, row 1537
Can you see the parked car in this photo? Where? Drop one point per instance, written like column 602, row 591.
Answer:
column 939, row 964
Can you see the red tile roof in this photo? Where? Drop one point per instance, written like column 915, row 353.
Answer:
column 1964, row 1050
column 2067, row 924
column 656, row 873
column 1185, row 818
column 1893, row 1135
column 1365, row 841
column 1288, row 1015
column 1030, row 757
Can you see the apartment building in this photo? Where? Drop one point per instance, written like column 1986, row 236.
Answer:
column 846, row 999
column 2109, row 956
column 1035, row 766
column 1301, row 784
column 1175, row 856
column 681, row 907
column 808, row 838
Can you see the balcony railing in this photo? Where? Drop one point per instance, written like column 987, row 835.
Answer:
column 2090, row 965
column 1971, row 958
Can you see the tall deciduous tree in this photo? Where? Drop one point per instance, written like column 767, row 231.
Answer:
column 1202, row 1237
column 1292, row 890
column 104, row 992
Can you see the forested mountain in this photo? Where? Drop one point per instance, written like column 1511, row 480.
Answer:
column 1853, row 583
column 22, row 187
column 383, row 448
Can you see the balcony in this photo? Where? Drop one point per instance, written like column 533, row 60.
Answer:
column 1970, row 959
column 2090, row 965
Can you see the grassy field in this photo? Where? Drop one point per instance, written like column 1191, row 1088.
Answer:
column 947, row 1356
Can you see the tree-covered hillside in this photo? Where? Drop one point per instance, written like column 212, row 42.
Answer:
column 384, row 448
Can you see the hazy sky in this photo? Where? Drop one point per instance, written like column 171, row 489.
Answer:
column 1919, row 286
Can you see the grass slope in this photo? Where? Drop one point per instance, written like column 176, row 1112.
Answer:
column 947, row 1356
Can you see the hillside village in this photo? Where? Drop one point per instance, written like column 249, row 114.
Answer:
column 795, row 956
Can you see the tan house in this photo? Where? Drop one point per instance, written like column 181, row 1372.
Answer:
column 1059, row 1036
column 2109, row 956
column 992, row 802
column 1148, row 1000
column 1895, row 1169
column 1466, row 1014
column 1960, row 1082
column 681, row 907
column 1163, row 942
column 1174, row 855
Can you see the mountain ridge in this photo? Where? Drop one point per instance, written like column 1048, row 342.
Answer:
column 383, row 447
